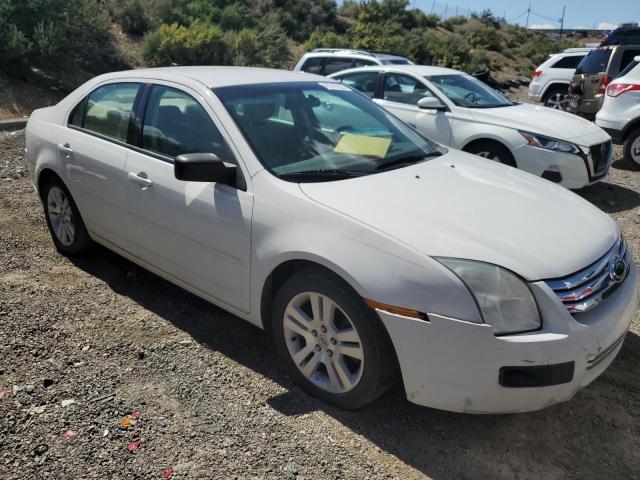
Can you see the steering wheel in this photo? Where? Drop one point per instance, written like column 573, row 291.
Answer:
column 344, row 128
column 472, row 97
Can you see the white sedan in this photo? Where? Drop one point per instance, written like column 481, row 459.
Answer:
column 455, row 109
column 369, row 252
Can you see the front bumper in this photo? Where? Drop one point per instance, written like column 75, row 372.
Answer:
column 455, row 365
column 574, row 170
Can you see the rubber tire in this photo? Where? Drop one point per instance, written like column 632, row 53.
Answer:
column 553, row 91
column 82, row 242
column 496, row 149
column 379, row 357
column 627, row 148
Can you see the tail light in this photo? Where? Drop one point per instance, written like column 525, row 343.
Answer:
column 618, row 89
column 604, row 81
column 537, row 73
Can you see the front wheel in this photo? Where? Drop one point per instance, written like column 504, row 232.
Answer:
column 632, row 148
column 492, row 151
column 331, row 342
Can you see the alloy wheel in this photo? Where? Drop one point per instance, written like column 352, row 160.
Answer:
column 489, row 156
column 323, row 342
column 61, row 216
column 635, row 150
column 556, row 101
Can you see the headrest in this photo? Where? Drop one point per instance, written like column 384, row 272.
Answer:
column 259, row 111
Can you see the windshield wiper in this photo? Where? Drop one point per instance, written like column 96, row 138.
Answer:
column 407, row 160
column 322, row 174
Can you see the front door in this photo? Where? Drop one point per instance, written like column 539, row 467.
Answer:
column 198, row 232
column 400, row 96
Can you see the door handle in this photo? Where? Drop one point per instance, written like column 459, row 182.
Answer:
column 66, row 148
column 140, row 179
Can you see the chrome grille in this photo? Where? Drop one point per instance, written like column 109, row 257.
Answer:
column 584, row 290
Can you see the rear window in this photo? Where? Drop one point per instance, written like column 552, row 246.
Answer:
column 569, row 62
column 596, row 61
column 396, row 61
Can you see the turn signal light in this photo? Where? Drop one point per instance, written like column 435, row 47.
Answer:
column 405, row 312
column 618, row 89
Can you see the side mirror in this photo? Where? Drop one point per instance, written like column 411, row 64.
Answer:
column 204, row 167
column 431, row 103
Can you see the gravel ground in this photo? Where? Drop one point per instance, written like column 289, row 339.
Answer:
column 97, row 354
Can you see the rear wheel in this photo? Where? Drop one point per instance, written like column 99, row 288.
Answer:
column 331, row 341
column 492, row 151
column 556, row 98
column 67, row 229
column 632, row 148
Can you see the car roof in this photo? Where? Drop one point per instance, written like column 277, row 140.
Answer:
column 576, row 50
column 420, row 70
column 217, row 76
column 347, row 52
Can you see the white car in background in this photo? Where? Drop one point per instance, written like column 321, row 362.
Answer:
column 455, row 109
column 620, row 112
column 325, row 61
column 303, row 207
column 550, row 82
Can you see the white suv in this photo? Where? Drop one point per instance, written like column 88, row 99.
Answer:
column 620, row 113
column 551, row 79
column 325, row 61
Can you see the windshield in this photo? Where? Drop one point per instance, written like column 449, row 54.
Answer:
column 466, row 91
column 316, row 131
column 596, row 61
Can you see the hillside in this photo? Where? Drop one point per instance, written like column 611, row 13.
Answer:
column 47, row 48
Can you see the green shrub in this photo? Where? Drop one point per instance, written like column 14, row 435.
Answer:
column 198, row 44
column 134, row 17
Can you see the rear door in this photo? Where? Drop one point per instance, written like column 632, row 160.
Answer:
column 93, row 147
column 400, row 95
column 586, row 80
column 197, row 232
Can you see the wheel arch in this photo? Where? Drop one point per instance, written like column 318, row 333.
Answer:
column 553, row 86
column 631, row 127
column 476, row 141
column 45, row 175
column 282, row 272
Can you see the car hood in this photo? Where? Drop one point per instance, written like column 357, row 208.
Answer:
column 543, row 120
column 462, row 206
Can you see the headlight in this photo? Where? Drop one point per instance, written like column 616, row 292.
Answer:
column 548, row 143
column 505, row 301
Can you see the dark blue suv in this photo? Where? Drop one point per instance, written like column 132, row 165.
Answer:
column 622, row 35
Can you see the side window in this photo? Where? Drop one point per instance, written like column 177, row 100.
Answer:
column 568, row 62
column 313, row 65
column 627, row 58
column 77, row 114
column 175, row 123
column 404, row 89
column 336, row 64
column 364, row 82
column 360, row 62
column 108, row 110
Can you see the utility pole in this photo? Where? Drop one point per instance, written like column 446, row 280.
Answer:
column 446, row 6
column 564, row 7
column 433, row 5
column 526, row 25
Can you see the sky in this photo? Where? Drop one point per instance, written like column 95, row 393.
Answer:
column 601, row 14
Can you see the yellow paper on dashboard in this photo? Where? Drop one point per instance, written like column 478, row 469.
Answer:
column 363, row 145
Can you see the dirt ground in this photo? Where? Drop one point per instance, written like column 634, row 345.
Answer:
column 84, row 343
